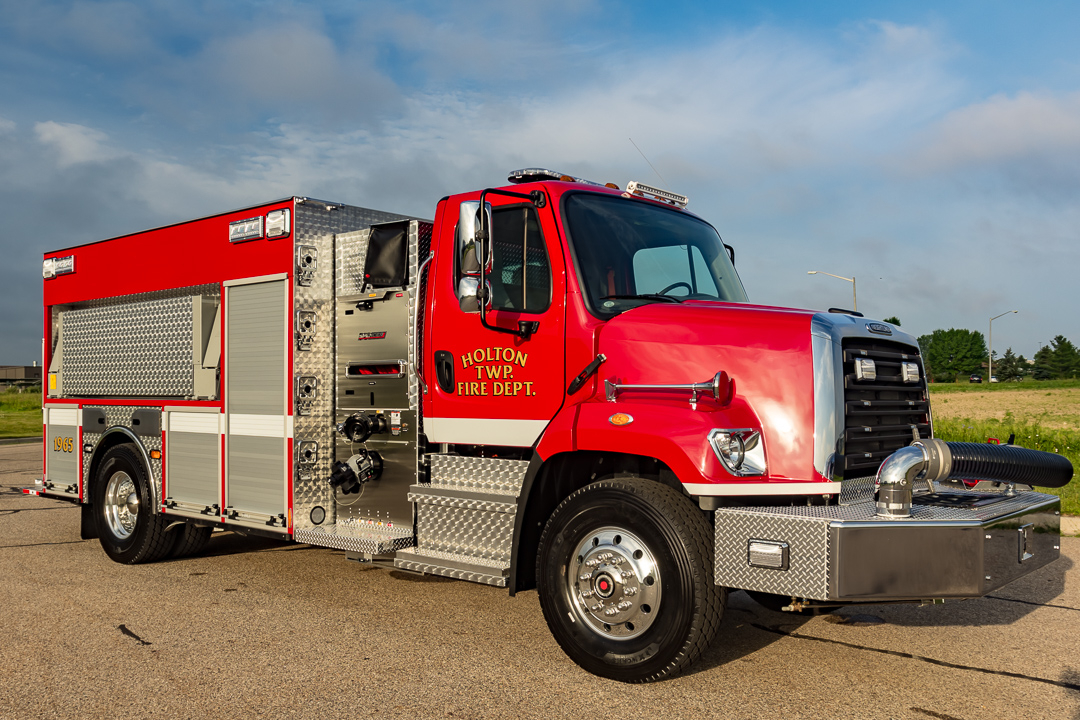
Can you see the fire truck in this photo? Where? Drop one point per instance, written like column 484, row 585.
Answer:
column 554, row 385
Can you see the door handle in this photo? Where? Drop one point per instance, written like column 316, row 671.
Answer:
column 444, row 370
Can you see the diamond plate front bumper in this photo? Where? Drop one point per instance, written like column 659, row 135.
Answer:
column 847, row 554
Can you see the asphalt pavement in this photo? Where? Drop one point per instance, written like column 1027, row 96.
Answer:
column 261, row 628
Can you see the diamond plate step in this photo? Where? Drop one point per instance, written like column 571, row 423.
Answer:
column 461, row 567
column 358, row 538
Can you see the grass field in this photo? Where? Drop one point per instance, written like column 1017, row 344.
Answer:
column 1043, row 415
column 20, row 414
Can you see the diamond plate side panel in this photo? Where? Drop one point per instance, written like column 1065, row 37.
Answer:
column 809, row 553
column 315, row 225
column 477, row 532
column 133, row 349
column 349, row 259
column 120, row 416
column 857, row 490
column 494, row 475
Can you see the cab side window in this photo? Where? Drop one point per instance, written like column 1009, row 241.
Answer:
column 521, row 273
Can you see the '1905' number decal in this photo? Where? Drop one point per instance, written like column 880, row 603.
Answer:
column 63, row 444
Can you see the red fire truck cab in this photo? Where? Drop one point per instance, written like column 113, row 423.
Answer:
column 554, row 384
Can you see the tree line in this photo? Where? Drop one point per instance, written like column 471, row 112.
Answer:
column 949, row 354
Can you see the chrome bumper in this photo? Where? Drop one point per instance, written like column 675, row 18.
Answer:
column 844, row 553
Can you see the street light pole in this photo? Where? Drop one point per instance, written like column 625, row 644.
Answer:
column 991, row 355
column 854, row 295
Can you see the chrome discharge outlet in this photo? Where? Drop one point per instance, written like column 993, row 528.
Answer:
column 895, row 481
column 932, row 460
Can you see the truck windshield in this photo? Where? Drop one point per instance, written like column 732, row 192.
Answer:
column 632, row 252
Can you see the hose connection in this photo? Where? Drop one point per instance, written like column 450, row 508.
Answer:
column 932, row 460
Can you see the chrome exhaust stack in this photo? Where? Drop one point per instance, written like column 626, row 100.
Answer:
column 932, row 460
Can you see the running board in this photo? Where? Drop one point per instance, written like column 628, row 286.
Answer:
column 460, row 567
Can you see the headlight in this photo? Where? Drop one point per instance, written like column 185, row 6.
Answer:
column 740, row 451
column 909, row 372
column 865, row 369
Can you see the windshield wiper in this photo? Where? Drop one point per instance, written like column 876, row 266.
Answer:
column 644, row 296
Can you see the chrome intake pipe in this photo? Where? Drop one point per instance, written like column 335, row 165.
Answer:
column 932, row 460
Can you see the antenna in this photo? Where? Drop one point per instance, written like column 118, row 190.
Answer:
column 647, row 160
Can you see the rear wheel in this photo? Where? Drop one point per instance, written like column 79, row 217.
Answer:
column 129, row 531
column 625, row 579
column 192, row 540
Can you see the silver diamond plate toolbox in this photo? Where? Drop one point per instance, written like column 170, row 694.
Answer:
column 951, row 547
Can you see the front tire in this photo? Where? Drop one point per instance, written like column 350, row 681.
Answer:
column 129, row 530
column 625, row 576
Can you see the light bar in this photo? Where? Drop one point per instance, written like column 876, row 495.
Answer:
column 647, row 191
column 526, row 175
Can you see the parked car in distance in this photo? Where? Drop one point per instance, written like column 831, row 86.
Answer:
column 993, row 378
column 975, row 379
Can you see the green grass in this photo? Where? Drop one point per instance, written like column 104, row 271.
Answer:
column 20, row 413
column 986, row 386
column 1029, row 435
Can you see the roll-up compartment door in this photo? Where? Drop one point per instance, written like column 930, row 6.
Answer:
column 256, row 348
column 62, row 451
column 193, row 455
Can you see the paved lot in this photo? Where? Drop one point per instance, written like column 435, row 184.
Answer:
column 257, row 628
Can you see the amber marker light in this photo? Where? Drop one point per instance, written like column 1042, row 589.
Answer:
column 620, row 419
column 155, row 454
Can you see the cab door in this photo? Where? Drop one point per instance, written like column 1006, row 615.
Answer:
column 493, row 386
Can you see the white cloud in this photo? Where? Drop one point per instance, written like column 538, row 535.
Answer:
column 1003, row 129
column 73, row 143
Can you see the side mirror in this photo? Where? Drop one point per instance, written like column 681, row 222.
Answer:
column 468, row 294
column 467, row 239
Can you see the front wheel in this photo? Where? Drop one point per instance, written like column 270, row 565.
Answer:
column 625, row 575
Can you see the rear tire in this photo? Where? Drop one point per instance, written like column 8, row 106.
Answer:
column 625, row 576
column 129, row 530
column 192, row 540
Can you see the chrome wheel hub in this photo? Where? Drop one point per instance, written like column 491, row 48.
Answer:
column 613, row 584
column 121, row 504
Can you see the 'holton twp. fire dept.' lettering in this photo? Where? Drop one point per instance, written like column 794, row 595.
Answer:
column 495, row 373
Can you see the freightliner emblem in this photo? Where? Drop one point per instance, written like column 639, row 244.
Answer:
column 879, row 328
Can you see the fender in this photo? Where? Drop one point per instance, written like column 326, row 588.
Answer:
column 117, row 435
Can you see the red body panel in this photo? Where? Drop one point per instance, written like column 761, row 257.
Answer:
column 190, row 253
column 497, row 375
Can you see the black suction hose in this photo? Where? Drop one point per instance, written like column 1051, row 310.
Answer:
column 1009, row 464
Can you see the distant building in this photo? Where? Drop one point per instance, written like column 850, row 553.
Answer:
column 20, row 375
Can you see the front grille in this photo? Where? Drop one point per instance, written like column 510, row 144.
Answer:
column 882, row 415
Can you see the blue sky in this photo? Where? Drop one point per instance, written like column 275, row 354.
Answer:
column 931, row 152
